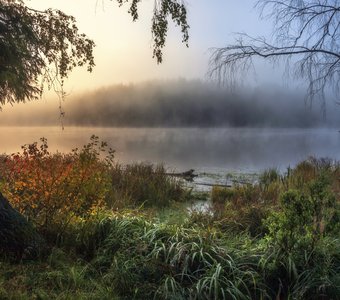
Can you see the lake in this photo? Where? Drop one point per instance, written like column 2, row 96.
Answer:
column 207, row 150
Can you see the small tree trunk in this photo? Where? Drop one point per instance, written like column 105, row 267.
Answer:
column 18, row 238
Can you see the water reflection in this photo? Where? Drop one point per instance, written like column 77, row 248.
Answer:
column 240, row 149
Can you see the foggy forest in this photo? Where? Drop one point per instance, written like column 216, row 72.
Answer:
column 180, row 103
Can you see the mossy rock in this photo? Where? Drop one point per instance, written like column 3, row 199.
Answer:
column 18, row 238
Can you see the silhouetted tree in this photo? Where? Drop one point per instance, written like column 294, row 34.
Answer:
column 305, row 36
column 38, row 47
column 43, row 47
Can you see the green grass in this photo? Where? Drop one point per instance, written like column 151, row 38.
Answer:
column 277, row 238
column 58, row 277
column 131, row 256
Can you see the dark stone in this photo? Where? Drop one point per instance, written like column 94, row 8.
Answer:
column 18, row 238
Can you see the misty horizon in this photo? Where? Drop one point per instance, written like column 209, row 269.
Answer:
column 178, row 103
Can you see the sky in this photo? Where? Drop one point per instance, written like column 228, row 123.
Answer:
column 123, row 52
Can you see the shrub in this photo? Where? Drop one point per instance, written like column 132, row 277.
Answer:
column 303, row 216
column 300, row 254
column 51, row 189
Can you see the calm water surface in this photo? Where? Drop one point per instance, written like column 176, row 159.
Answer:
column 213, row 150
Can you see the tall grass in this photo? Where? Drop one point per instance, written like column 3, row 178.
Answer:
column 147, row 260
column 275, row 239
column 245, row 206
column 297, row 216
column 144, row 185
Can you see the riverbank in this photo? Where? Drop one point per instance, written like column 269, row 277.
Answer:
column 115, row 232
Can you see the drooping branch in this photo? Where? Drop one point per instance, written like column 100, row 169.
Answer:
column 163, row 10
column 37, row 46
column 44, row 46
column 306, row 36
column 178, row 13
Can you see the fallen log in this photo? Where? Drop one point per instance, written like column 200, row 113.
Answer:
column 188, row 175
column 214, row 184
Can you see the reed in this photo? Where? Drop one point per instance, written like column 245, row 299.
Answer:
column 277, row 238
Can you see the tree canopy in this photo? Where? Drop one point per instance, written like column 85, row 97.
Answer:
column 306, row 36
column 39, row 48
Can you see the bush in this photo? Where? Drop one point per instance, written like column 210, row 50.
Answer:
column 300, row 253
column 52, row 189
column 303, row 216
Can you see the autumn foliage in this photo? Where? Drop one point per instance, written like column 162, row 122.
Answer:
column 54, row 188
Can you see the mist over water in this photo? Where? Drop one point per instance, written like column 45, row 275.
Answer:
column 184, row 124
column 203, row 149
column 179, row 103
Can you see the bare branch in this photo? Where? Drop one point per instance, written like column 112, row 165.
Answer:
column 306, row 35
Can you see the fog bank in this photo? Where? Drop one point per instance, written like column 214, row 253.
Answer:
column 180, row 103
